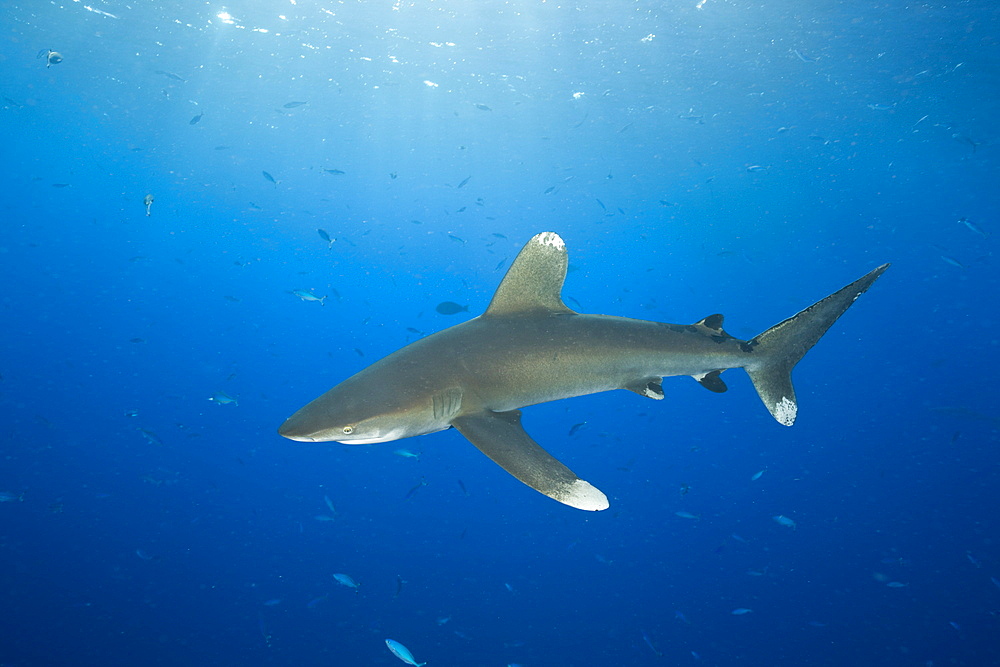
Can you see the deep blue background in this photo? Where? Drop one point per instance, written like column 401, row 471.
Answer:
column 627, row 127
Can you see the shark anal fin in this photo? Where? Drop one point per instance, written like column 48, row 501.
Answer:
column 648, row 387
column 712, row 381
column 500, row 436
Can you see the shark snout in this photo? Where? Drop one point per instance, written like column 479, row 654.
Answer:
column 294, row 429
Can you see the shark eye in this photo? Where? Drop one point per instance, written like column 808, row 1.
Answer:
column 348, row 430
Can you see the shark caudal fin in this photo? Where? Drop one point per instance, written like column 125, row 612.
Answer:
column 782, row 346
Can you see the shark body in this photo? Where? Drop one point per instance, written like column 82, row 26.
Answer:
column 529, row 348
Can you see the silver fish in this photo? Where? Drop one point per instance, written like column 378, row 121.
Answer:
column 402, row 653
column 309, row 296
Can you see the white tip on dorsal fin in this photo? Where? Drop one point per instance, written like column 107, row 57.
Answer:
column 534, row 281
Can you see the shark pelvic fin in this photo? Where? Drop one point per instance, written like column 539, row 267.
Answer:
column 500, row 436
column 534, row 281
column 783, row 345
column 648, row 387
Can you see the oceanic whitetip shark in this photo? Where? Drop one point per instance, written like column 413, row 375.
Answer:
column 529, row 348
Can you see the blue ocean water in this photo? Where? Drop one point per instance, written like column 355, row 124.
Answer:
column 697, row 157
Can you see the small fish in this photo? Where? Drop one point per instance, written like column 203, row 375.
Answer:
column 309, row 296
column 51, row 57
column 686, row 515
column 399, row 586
column 137, row 340
column 147, row 201
column 967, row 140
column 783, row 520
column 756, row 167
column 740, row 611
column 315, row 601
column 326, row 237
column 549, row 190
column 270, row 178
column 499, row 235
column 60, row 185
column 954, row 262
column 601, row 204
column 441, row 620
column 974, row 227
column 896, row 584
column 335, row 172
column 196, row 119
column 465, row 492
column 996, row 582
column 406, row 454
column 9, row 497
column 347, row 580
column 329, row 504
column 451, row 308
column 150, row 436
column 401, row 651
column 170, row 75
column 409, row 494
column 649, row 643
column 143, row 555
column 292, row 105
column 273, row 602
column 457, row 239
column 576, row 427
column 881, row 107
column 757, row 475
column 803, row 57
column 222, row 398
column 465, row 181
column 483, row 107
column 325, row 518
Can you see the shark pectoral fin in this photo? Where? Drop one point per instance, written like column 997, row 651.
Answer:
column 712, row 381
column 500, row 436
column 648, row 387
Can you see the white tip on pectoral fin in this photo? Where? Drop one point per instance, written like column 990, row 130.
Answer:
column 499, row 435
column 785, row 411
column 583, row 496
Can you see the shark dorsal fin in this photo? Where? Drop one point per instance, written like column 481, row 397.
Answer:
column 534, row 281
